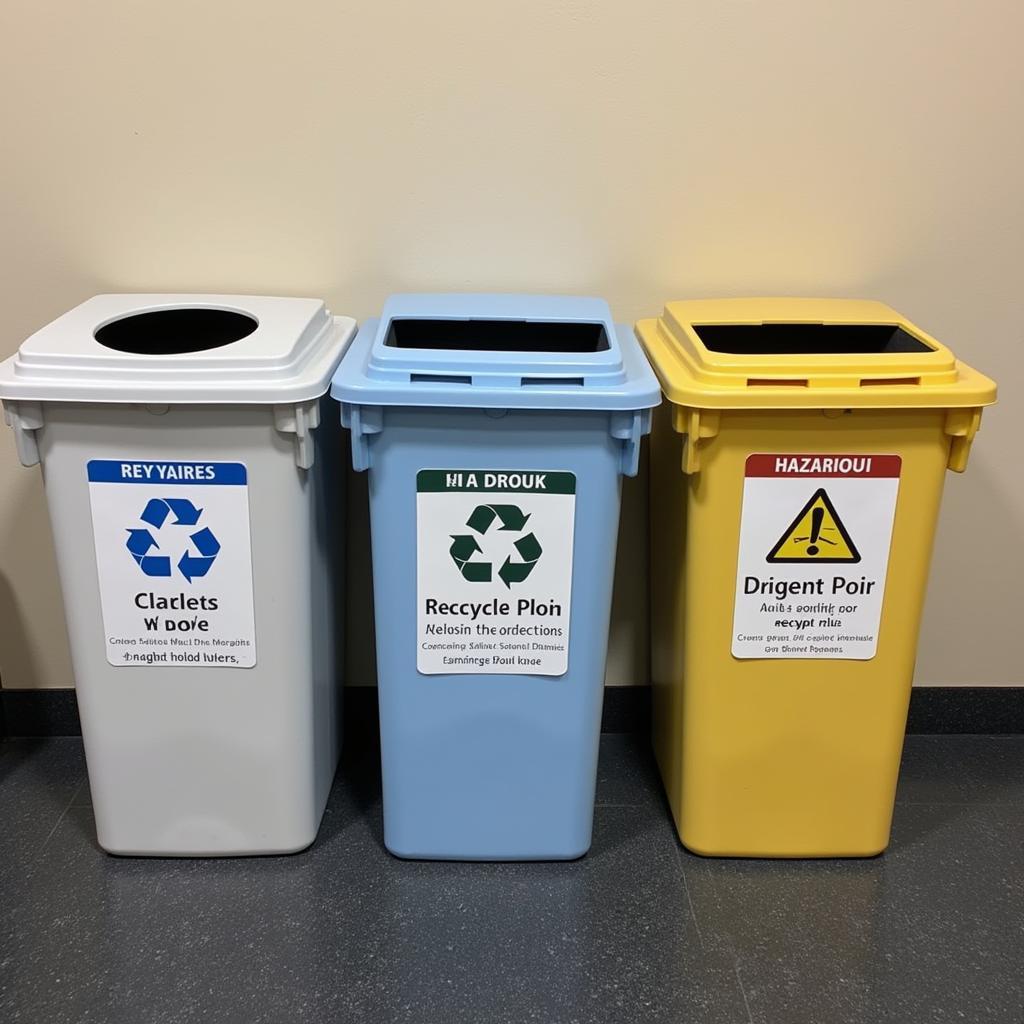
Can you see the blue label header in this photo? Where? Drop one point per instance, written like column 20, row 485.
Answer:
column 132, row 471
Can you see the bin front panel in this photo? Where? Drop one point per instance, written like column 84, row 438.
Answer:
column 194, row 760
column 486, row 765
column 790, row 756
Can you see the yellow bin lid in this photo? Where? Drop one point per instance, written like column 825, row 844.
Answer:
column 779, row 353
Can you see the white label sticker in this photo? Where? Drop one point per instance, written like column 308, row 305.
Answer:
column 813, row 555
column 494, row 571
column 174, row 562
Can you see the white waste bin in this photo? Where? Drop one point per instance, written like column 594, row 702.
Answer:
column 198, row 533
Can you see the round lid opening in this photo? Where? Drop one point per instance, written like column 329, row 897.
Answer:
column 168, row 332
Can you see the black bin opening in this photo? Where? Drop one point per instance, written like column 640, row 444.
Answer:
column 807, row 339
column 497, row 336
column 169, row 332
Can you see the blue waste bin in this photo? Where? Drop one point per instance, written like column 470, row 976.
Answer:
column 496, row 430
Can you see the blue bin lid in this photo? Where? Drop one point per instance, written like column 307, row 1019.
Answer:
column 496, row 351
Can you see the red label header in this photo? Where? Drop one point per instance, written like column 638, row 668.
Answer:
column 819, row 465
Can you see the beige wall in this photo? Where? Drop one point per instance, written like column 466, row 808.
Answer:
column 640, row 151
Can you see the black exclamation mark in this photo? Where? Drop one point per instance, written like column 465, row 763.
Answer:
column 817, row 514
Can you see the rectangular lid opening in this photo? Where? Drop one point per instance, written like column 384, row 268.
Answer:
column 807, row 339
column 498, row 336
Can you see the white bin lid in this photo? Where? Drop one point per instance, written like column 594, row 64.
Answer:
column 202, row 349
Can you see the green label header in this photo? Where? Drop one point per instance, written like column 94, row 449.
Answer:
column 516, row 481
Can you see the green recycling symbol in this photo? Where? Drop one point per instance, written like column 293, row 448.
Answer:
column 465, row 546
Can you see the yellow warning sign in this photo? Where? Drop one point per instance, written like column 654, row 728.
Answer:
column 816, row 535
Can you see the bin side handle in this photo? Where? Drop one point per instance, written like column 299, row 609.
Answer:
column 300, row 421
column 698, row 425
column 25, row 418
column 629, row 428
column 961, row 426
column 363, row 421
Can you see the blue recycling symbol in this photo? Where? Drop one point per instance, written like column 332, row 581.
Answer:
column 141, row 540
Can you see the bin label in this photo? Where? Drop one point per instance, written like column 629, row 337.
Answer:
column 494, row 551
column 814, row 544
column 174, row 562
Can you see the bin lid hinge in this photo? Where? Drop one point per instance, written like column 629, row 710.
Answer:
column 363, row 421
column 961, row 425
column 25, row 418
column 629, row 428
column 698, row 425
column 299, row 420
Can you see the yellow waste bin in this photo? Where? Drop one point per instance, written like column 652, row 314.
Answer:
column 796, row 474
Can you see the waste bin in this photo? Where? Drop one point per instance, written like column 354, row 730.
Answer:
column 792, row 527
column 496, row 430
column 195, row 517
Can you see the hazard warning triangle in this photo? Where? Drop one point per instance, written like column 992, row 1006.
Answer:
column 816, row 535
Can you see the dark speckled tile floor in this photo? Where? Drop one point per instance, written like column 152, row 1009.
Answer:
column 638, row 931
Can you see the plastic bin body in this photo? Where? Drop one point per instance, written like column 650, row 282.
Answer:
column 787, row 757
column 482, row 766
column 186, row 759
